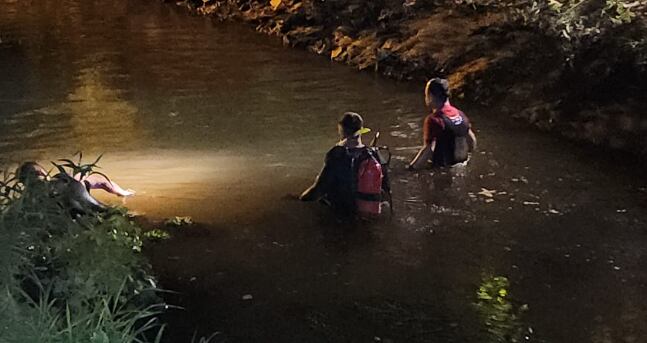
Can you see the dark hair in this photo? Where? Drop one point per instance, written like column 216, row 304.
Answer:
column 439, row 88
column 351, row 122
column 29, row 170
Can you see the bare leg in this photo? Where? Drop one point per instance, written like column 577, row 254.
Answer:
column 96, row 181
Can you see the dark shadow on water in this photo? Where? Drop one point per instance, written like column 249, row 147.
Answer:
column 301, row 278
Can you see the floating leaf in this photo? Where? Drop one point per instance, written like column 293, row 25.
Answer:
column 487, row 192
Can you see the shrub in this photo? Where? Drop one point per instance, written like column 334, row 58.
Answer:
column 66, row 278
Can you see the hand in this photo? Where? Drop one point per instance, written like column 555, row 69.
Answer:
column 410, row 167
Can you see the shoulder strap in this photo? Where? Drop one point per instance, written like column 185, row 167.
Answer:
column 458, row 130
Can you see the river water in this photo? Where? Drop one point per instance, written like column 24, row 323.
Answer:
column 217, row 122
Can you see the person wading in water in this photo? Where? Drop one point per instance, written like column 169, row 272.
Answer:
column 352, row 179
column 447, row 134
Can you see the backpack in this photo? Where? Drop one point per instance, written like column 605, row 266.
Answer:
column 457, row 146
column 369, row 183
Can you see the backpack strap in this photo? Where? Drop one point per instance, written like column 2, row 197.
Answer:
column 459, row 130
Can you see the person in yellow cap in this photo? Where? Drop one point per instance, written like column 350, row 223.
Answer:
column 336, row 182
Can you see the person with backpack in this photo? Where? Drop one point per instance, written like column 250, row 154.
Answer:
column 447, row 134
column 352, row 179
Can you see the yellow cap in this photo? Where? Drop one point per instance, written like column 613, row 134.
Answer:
column 362, row 131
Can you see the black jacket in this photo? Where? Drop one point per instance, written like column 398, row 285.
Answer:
column 336, row 182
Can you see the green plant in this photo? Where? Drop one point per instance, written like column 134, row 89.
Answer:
column 179, row 221
column 83, row 170
column 47, row 320
column 157, row 235
column 501, row 317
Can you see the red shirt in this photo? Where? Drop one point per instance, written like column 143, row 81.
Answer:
column 434, row 124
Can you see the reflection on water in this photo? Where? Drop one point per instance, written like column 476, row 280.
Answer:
column 94, row 108
column 93, row 117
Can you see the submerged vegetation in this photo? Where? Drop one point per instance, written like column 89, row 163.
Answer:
column 157, row 235
column 179, row 222
column 501, row 317
column 71, row 277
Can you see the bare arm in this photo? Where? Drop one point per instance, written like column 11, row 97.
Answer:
column 313, row 192
column 423, row 155
column 471, row 141
column 321, row 185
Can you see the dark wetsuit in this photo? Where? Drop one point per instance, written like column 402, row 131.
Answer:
column 75, row 195
column 336, row 181
column 449, row 127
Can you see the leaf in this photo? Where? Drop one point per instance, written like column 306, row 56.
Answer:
column 275, row 4
column 179, row 221
column 566, row 35
column 99, row 337
column 60, row 168
column 101, row 174
column 336, row 52
column 157, row 234
column 487, row 192
column 67, row 162
column 555, row 5
column 97, row 160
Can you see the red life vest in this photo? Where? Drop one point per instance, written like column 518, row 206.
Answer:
column 369, row 186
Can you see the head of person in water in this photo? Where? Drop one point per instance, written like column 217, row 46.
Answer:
column 436, row 93
column 350, row 125
column 30, row 170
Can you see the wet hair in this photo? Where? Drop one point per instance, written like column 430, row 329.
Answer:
column 351, row 122
column 439, row 88
column 30, row 170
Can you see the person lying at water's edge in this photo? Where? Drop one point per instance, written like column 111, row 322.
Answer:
column 74, row 191
column 351, row 180
column 447, row 134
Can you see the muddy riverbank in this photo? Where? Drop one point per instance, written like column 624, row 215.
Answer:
column 491, row 54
